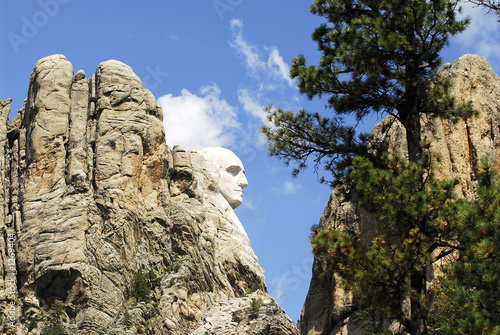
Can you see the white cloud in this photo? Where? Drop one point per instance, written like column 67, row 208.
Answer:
column 276, row 62
column 278, row 290
column 248, row 52
column 291, row 188
column 250, row 100
column 271, row 72
column 481, row 36
column 251, row 104
column 287, row 188
column 248, row 204
column 194, row 122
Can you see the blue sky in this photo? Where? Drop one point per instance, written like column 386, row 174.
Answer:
column 213, row 65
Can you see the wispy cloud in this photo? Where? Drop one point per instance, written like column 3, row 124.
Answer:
column 269, row 74
column 265, row 63
column 194, row 122
column 278, row 290
column 290, row 280
column 276, row 62
column 251, row 104
column 245, row 50
column 248, row 204
column 287, row 188
column 481, row 36
column 291, row 188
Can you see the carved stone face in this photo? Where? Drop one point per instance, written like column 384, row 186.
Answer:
column 231, row 171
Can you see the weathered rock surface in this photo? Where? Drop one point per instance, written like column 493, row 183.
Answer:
column 93, row 194
column 244, row 315
column 461, row 147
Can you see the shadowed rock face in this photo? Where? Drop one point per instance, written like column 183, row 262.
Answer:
column 92, row 194
column 461, row 147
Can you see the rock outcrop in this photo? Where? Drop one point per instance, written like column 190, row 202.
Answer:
column 97, row 210
column 461, row 147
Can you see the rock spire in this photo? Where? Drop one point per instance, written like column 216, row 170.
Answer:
column 113, row 231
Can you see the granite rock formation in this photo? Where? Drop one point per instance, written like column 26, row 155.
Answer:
column 461, row 147
column 97, row 210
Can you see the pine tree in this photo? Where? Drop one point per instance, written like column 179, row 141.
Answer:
column 387, row 276
column 140, row 288
column 377, row 57
column 468, row 301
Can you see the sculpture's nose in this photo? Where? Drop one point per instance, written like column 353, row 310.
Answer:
column 243, row 182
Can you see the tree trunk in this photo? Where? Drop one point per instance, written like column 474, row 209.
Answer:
column 411, row 122
column 417, row 324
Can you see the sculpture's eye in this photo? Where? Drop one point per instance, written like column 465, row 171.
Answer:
column 233, row 170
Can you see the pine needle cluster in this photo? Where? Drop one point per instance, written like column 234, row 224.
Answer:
column 468, row 296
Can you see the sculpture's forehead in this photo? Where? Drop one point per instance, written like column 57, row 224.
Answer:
column 227, row 160
column 222, row 157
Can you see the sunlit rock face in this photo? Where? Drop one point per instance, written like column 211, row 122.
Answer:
column 228, row 172
column 93, row 194
column 461, row 146
column 232, row 177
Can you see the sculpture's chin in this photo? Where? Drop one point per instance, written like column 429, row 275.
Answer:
column 233, row 198
column 234, row 203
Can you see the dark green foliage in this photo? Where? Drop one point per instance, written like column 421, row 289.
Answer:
column 174, row 267
column 143, row 284
column 32, row 324
column 297, row 136
column 58, row 308
column 153, row 280
column 255, row 306
column 54, row 326
column 257, row 285
column 53, row 329
column 469, row 302
column 377, row 57
column 388, row 265
column 140, row 288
